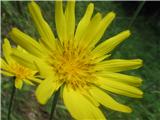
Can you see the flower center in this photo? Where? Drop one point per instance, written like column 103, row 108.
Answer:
column 72, row 68
column 19, row 71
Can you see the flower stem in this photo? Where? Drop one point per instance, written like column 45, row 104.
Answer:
column 136, row 13
column 54, row 102
column 11, row 100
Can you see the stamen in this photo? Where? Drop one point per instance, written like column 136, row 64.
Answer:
column 72, row 67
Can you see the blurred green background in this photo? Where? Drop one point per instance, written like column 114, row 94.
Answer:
column 144, row 43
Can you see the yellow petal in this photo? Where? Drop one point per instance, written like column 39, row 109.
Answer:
column 106, row 21
column 119, row 88
column 90, row 31
column 82, row 25
column 25, row 42
column 60, row 21
column 7, row 51
column 99, row 59
column 45, row 90
column 43, row 28
column 3, row 64
column 44, row 48
column 131, row 80
column 28, row 82
column 18, row 83
column 21, row 49
column 118, row 65
column 35, row 79
column 109, row 44
column 79, row 107
column 108, row 101
column 70, row 19
column 44, row 69
column 24, row 58
column 6, row 73
column 86, row 94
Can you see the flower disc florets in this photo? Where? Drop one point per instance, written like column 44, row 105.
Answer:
column 72, row 67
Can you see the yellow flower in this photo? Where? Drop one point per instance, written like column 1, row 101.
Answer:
column 10, row 67
column 74, row 61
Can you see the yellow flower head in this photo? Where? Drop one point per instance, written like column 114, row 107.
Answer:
column 74, row 61
column 10, row 67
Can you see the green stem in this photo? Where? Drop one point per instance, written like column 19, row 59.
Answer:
column 54, row 102
column 136, row 13
column 11, row 100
